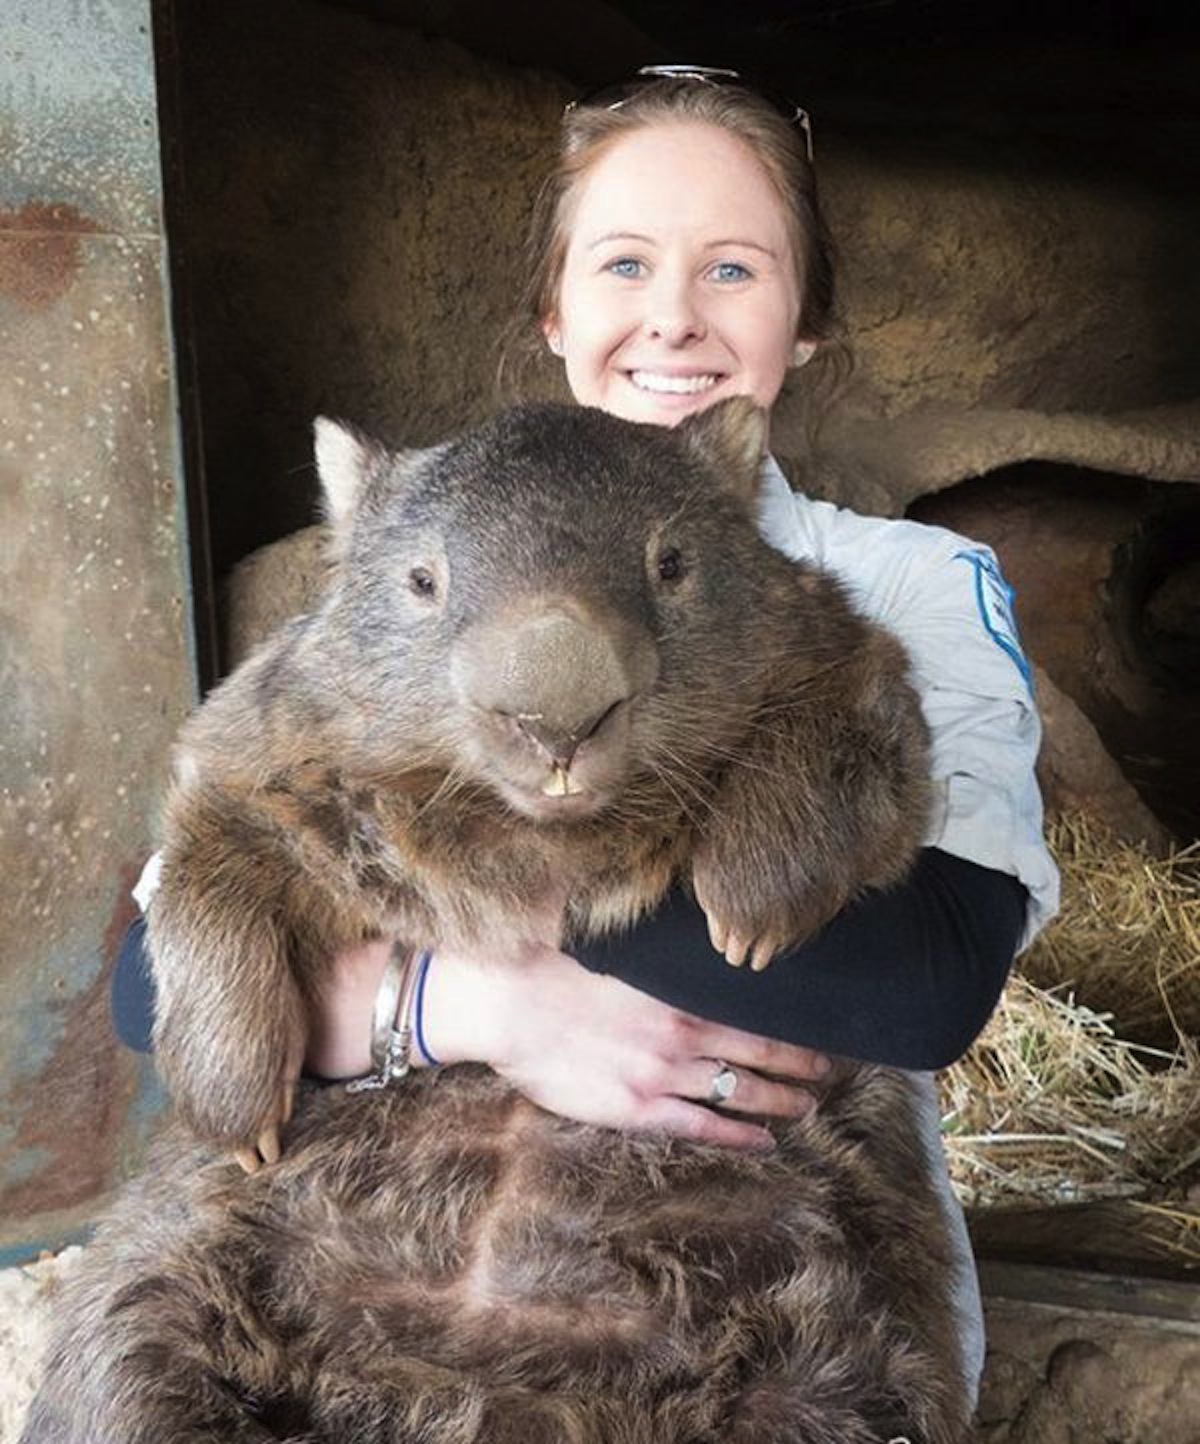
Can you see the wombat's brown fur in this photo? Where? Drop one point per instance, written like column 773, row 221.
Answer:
column 558, row 670
column 443, row 1261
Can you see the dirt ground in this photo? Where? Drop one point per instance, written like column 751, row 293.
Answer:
column 1063, row 1377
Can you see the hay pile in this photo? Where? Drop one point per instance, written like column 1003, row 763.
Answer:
column 1086, row 1083
column 1128, row 937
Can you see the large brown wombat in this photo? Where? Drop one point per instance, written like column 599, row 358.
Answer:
column 558, row 670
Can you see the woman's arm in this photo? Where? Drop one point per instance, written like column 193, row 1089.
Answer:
column 581, row 1044
column 131, row 992
column 906, row 977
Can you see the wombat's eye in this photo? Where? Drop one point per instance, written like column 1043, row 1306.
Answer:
column 670, row 564
column 421, row 582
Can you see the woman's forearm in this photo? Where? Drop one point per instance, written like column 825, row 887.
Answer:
column 906, row 977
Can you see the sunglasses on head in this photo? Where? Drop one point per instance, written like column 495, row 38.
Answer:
column 613, row 97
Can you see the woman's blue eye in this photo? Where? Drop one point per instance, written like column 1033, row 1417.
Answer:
column 625, row 266
column 730, row 271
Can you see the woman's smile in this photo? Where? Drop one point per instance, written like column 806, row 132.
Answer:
column 674, row 384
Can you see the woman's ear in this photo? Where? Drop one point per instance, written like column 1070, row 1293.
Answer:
column 803, row 352
column 553, row 335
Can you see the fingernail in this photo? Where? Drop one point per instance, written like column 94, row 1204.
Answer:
column 821, row 1064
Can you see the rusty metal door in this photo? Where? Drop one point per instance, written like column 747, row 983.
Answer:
column 96, row 658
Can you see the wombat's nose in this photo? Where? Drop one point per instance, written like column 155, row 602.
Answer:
column 561, row 745
column 555, row 673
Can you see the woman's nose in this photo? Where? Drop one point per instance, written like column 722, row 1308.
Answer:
column 673, row 314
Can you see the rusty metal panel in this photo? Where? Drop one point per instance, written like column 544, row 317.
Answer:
column 96, row 667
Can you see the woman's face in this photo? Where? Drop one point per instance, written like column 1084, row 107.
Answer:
column 679, row 281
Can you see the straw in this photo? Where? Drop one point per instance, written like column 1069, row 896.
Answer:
column 1086, row 1083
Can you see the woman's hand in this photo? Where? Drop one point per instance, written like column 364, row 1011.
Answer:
column 580, row 1044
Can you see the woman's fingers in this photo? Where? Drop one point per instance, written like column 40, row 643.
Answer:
column 587, row 1046
column 763, row 1055
column 703, row 1125
column 751, row 1092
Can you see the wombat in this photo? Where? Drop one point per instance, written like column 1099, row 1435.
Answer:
column 557, row 671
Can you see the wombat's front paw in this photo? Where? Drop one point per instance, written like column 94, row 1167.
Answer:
column 734, row 934
column 229, row 1090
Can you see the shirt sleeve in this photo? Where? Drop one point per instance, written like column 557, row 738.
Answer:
column 946, row 599
column 976, row 690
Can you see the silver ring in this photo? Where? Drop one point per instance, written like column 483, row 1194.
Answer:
column 723, row 1086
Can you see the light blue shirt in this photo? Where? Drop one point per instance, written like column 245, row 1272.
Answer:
column 944, row 597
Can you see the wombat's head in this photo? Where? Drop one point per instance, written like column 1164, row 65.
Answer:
column 555, row 604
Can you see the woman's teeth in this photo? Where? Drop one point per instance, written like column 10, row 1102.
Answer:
column 674, row 385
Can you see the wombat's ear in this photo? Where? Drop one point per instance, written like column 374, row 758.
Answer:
column 730, row 437
column 345, row 459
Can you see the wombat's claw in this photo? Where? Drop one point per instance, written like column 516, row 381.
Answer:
column 736, row 949
column 266, row 1150
column 717, row 930
column 731, row 945
column 764, row 950
column 718, row 933
column 267, row 1147
column 268, row 1144
column 758, row 952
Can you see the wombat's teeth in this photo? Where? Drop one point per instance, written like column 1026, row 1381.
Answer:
column 676, row 385
column 560, row 783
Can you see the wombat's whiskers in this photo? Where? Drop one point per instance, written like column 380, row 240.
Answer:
column 642, row 798
column 455, row 783
column 688, row 784
column 694, row 731
column 705, row 750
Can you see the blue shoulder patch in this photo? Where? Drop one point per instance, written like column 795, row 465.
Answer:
column 994, row 598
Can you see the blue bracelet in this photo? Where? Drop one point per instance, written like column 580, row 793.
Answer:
column 422, row 973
